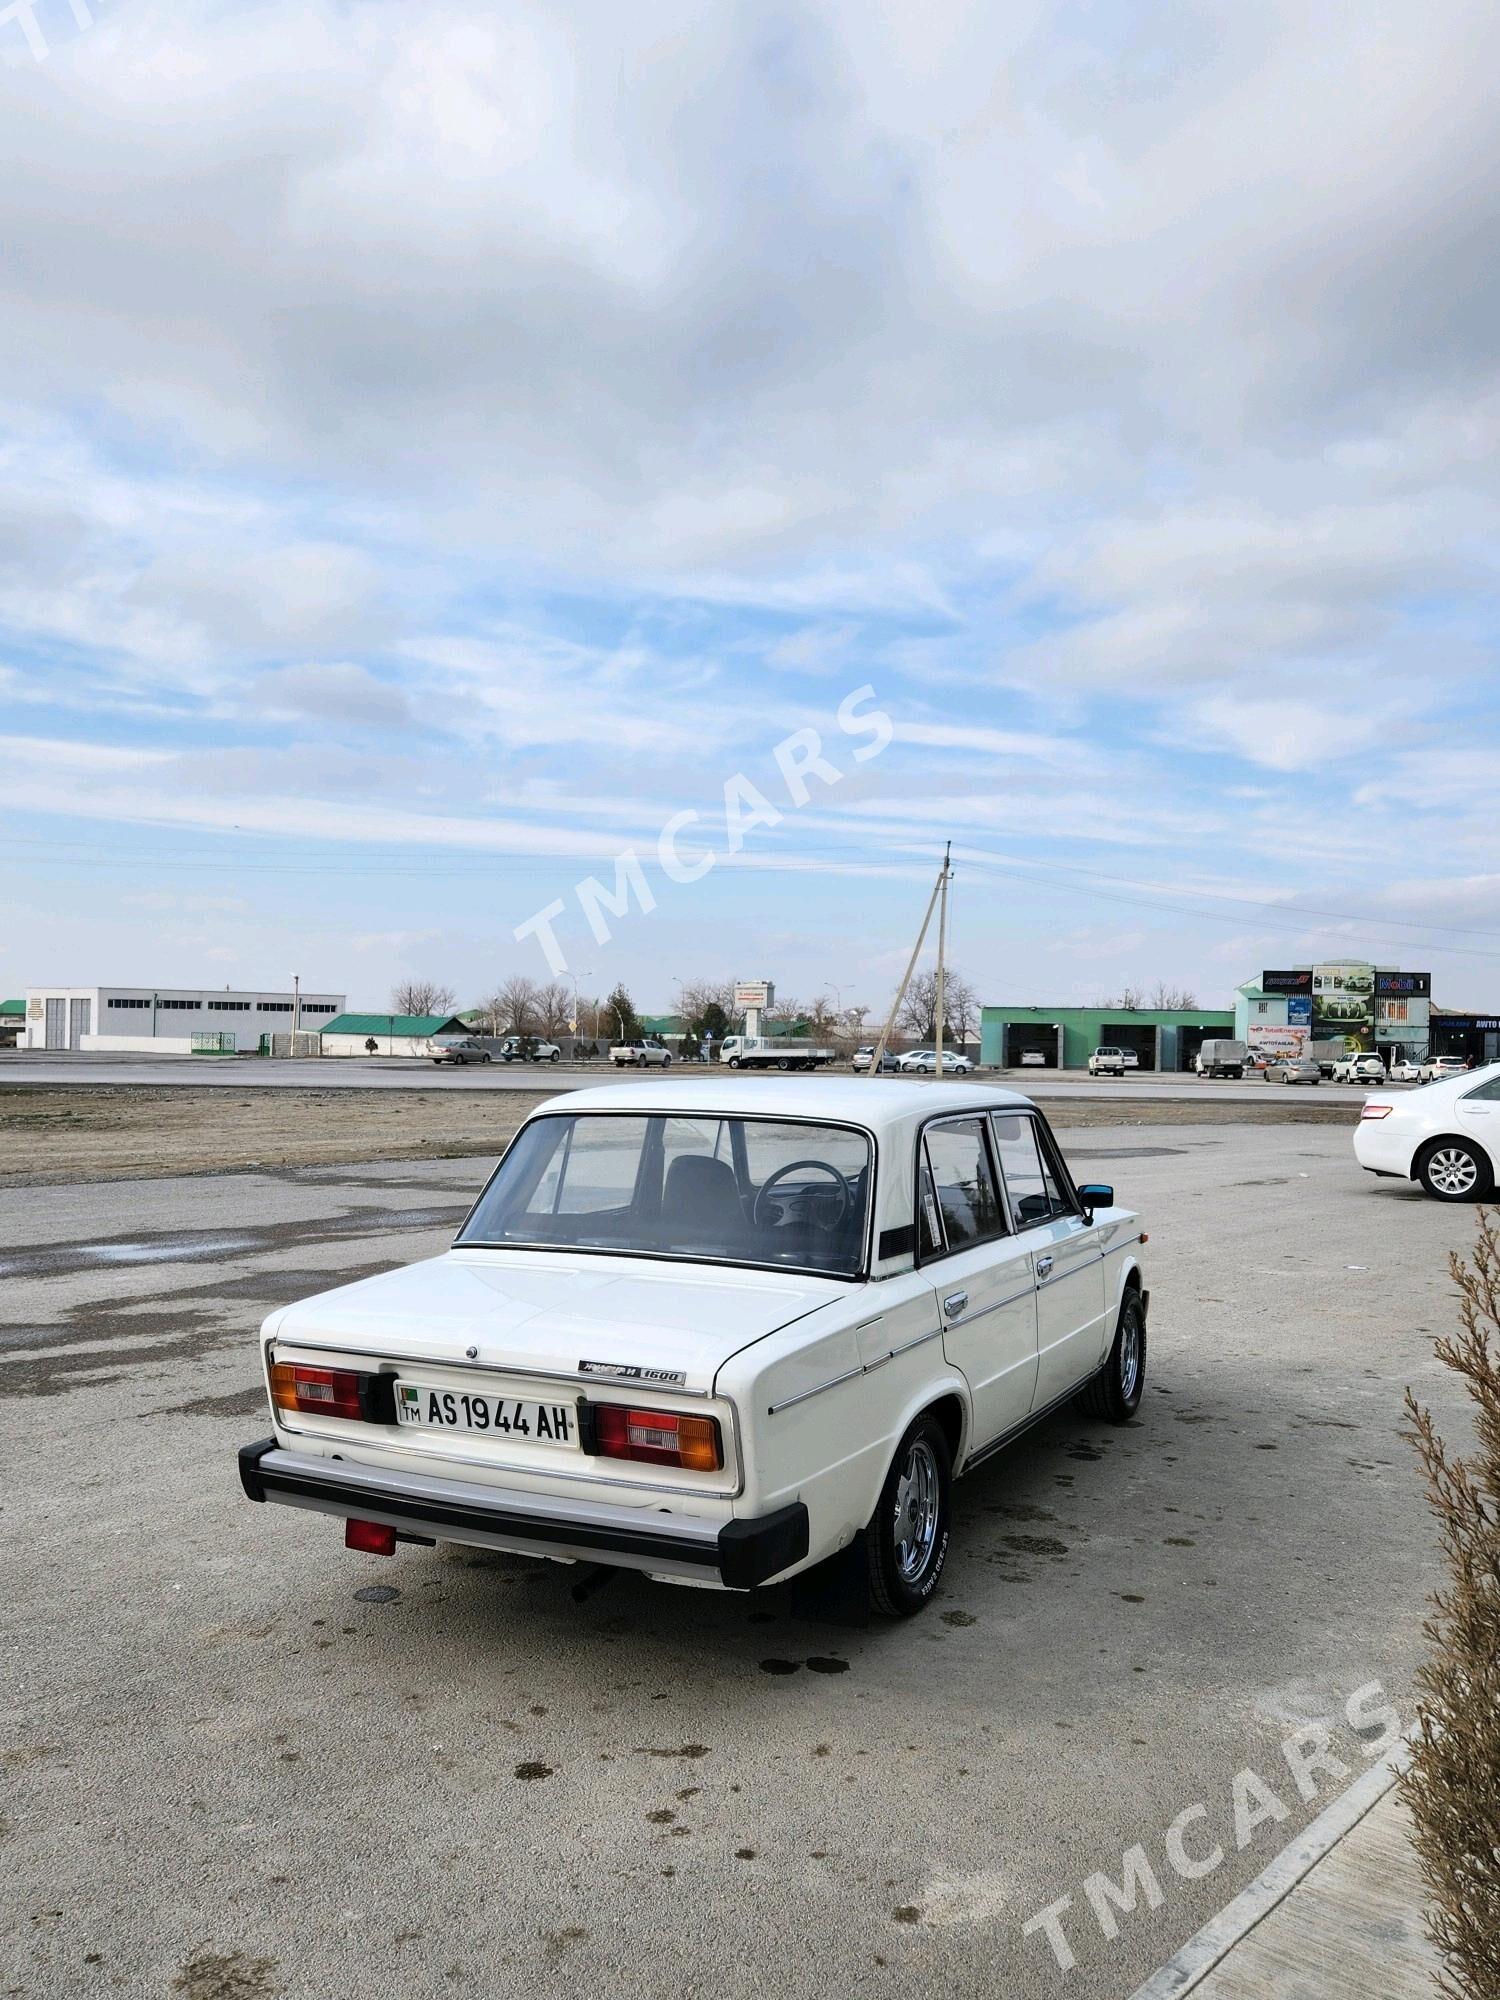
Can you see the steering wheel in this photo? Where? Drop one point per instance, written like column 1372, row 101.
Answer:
column 841, row 1187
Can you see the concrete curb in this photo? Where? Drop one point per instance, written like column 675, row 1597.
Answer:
column 1218, row 1937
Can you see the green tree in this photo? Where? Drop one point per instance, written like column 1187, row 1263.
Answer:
column 621, row 1022
column 712, row 1021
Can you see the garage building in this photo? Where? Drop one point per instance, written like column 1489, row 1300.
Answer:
column 167, row 1020
column 1162, row 1038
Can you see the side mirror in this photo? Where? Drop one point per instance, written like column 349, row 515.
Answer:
column 1096, row 1195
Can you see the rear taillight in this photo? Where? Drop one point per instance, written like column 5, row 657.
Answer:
column 1376, row 1110
column 332, row 1392
column 657, row 1437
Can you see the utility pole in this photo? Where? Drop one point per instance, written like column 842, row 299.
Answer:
column 296, row 1008
column 937, row 1068
column 890, row 1026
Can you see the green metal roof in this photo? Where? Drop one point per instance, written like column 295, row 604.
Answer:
column 12, row 1007
column 394, row 1024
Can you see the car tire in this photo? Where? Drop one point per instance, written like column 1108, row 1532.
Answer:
column 485, row 1057
column 734, row 1062
column 556, row 1056
column 1455, row 1170
column 1115, row 1392
column 666, row 1062
column 917, row 1497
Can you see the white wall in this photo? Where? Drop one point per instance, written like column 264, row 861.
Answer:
column 386, row 1045
column 138, row 1045
column 246, row 1014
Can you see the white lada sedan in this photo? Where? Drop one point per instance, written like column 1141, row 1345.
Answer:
column 718, row 1332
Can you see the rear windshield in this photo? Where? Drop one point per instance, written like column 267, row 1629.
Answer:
column 775, row 1193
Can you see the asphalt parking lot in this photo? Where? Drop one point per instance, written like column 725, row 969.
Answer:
column 242, row 1763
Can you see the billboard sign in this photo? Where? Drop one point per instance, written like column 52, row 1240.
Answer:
column 1278, row 1044
column 1403, row 986
column 1297, row 980
column 1299, row 1011
column 1343, row 1003
column 754, row 993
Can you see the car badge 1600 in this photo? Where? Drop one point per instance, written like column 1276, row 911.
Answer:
column 628, row 1371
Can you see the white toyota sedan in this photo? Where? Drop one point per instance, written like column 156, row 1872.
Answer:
column 718, row 1331
column 923, row 1062
column 1445, row 1134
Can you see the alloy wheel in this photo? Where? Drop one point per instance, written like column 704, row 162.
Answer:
column 918, row 1498
column 1453, row 1171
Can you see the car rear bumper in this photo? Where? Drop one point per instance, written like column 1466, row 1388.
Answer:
column 738, row 1554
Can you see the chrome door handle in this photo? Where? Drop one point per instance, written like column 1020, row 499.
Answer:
column 1044, row 1267
column 954, row 1304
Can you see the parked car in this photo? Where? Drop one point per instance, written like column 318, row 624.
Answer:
column 640, row 1055
column 714, row 1330
column 1437, row 1067
column 1033, row 1059
column 456, row 1049
column 1107, row 1062
column 1359, row 1069
column 1445, row 1136
column 1293, row 1069
column 527, row 1048
column 924, row 1062
column 1406, row 1069
column 863, row 1059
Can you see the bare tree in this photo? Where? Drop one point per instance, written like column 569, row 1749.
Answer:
column 696, row 996
column 1450, row 1787
column 553, row 1009
column 422, row 996
column 918, row 1016
column 1169, row 999
column 1129, row 1000
column 516, row 1006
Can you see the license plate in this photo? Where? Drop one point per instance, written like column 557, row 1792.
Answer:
column 463, row 1410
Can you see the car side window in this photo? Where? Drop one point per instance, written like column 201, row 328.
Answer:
column 1035, row 1189
column 1488, row 1092
column 963, row 1181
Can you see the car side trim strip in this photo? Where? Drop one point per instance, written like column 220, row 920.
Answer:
column 851, row 1374
column 994, row 1306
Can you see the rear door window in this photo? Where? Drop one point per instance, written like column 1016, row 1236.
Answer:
column 963, row 1182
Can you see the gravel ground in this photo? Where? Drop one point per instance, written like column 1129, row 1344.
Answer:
column 71, row 1132
column 241, row 1763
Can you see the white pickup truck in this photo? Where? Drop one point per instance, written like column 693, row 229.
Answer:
column 640, row 1055
column 768, row 1052
column 1107, row 1062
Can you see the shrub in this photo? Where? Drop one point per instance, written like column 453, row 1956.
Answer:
column 1453, row 1784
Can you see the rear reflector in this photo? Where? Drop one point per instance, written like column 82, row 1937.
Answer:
column 658, row 1437
column 370, row 1537
column 1377, row 1110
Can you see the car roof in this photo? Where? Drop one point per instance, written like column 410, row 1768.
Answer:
column 876, row 1104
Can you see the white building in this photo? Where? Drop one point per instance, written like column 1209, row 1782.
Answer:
column 167, row 1020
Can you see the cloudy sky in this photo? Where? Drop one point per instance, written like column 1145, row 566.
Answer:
column 443, row 445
